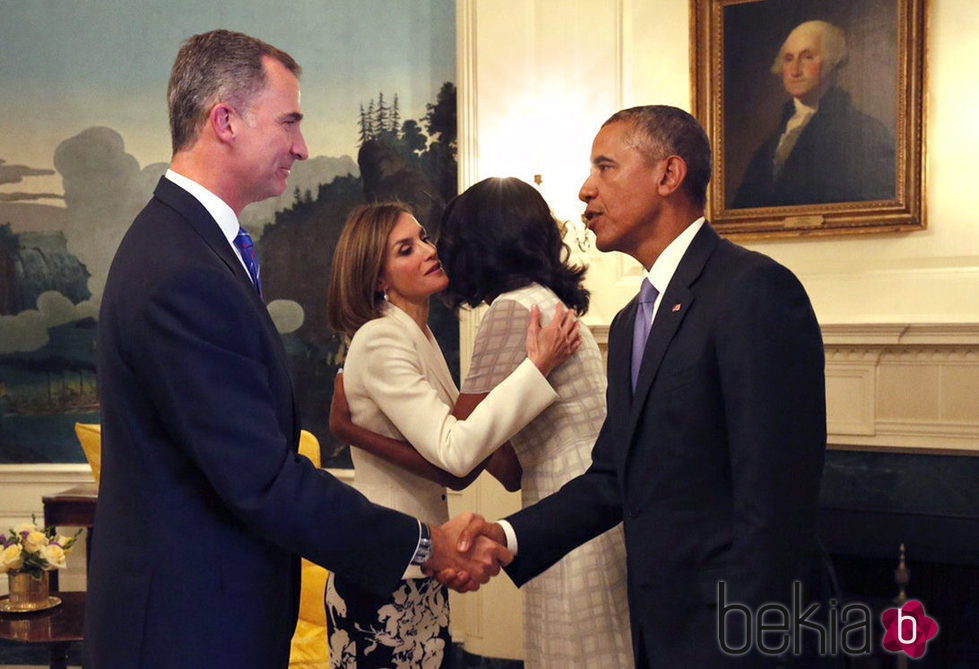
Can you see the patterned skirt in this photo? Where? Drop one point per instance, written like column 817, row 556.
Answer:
column 408, row 628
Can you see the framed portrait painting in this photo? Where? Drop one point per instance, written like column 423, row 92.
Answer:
column 815, row 112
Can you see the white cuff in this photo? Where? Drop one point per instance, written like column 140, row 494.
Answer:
column 511, row 536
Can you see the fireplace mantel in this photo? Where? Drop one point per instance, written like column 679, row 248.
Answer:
column 904, row 387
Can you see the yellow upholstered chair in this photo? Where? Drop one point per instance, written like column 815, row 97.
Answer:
column 90, row 437
column 309, row 644
column 310, row 649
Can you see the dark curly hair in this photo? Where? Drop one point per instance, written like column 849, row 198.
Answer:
column 500, row 235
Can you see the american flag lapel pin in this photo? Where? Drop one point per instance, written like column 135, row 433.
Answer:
column 677, row 307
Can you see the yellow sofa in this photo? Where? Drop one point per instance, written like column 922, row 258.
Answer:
column 309, row 644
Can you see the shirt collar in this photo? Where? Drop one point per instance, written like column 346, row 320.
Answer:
column 219, row 210
column 802, row 109
column 665, row 265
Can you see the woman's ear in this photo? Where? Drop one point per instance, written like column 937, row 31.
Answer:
column 382, row 285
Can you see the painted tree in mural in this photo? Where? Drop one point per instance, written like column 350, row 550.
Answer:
column 441, row 123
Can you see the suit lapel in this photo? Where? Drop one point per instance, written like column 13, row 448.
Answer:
column 203, row 224
column 620, row 357
column 436, row 370
column 676, row 302
column 192, row 211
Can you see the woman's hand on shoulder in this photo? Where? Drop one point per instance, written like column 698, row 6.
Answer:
column 548, row 347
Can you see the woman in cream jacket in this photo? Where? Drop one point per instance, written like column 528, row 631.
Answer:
column 400, row 392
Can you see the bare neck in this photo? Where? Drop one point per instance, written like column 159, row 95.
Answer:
column 672, row 221
column 418, row 311
column 207, row 167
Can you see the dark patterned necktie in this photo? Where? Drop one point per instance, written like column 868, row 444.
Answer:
column 640, row 332
column 245, row 245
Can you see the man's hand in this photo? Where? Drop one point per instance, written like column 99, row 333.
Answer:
column 465, row 570
column 468, row 527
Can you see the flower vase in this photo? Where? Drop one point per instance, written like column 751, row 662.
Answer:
column 27, row 592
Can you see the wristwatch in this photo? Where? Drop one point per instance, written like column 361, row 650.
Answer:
column 424, row 550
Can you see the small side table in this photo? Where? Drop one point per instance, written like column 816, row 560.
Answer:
column 74, row 507
column 56, row 628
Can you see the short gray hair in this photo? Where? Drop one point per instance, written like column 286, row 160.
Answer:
column 213, row 67
column 660, row 131
column 832, row 39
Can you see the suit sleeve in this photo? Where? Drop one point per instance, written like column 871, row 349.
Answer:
column 396, row 381
column 770, row 357
column 198, row 338
column 580, row 510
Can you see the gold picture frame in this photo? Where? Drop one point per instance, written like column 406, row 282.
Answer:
column 858, row 163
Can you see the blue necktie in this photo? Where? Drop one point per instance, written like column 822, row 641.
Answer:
column 246, row 247
column 640, row 333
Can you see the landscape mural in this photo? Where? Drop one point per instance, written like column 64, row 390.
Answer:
column 86, row 139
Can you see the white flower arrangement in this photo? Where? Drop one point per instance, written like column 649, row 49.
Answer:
column 31, row 549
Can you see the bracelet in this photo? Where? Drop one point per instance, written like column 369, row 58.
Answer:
column 424, row 550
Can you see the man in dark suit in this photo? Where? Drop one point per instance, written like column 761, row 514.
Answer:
column 824, row 150
column 713, row 447
column 204, row 504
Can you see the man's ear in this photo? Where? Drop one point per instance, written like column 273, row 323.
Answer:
column 223, row 120
column 674, row 172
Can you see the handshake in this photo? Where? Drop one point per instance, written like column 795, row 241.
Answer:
column 466, row 552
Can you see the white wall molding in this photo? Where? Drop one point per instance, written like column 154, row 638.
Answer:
column 901, row 334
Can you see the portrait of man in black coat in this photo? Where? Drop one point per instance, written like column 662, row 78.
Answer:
column 823, row 149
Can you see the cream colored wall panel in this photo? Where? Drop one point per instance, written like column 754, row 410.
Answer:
column 850, row 396
column 493, row 616
column 865, row 295
column 960, row 392
column 909, row 391
column 927, row 382
column 656, row 53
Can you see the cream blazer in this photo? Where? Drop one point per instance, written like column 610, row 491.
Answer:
column 398, row 384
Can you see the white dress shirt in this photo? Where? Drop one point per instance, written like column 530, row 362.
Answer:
column 219, row 210
column 793, row 130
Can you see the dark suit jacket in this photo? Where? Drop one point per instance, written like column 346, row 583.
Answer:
column 842, row 155
column 713, row 466
column 204, row 503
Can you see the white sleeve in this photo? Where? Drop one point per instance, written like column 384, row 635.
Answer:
column 395, row 380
